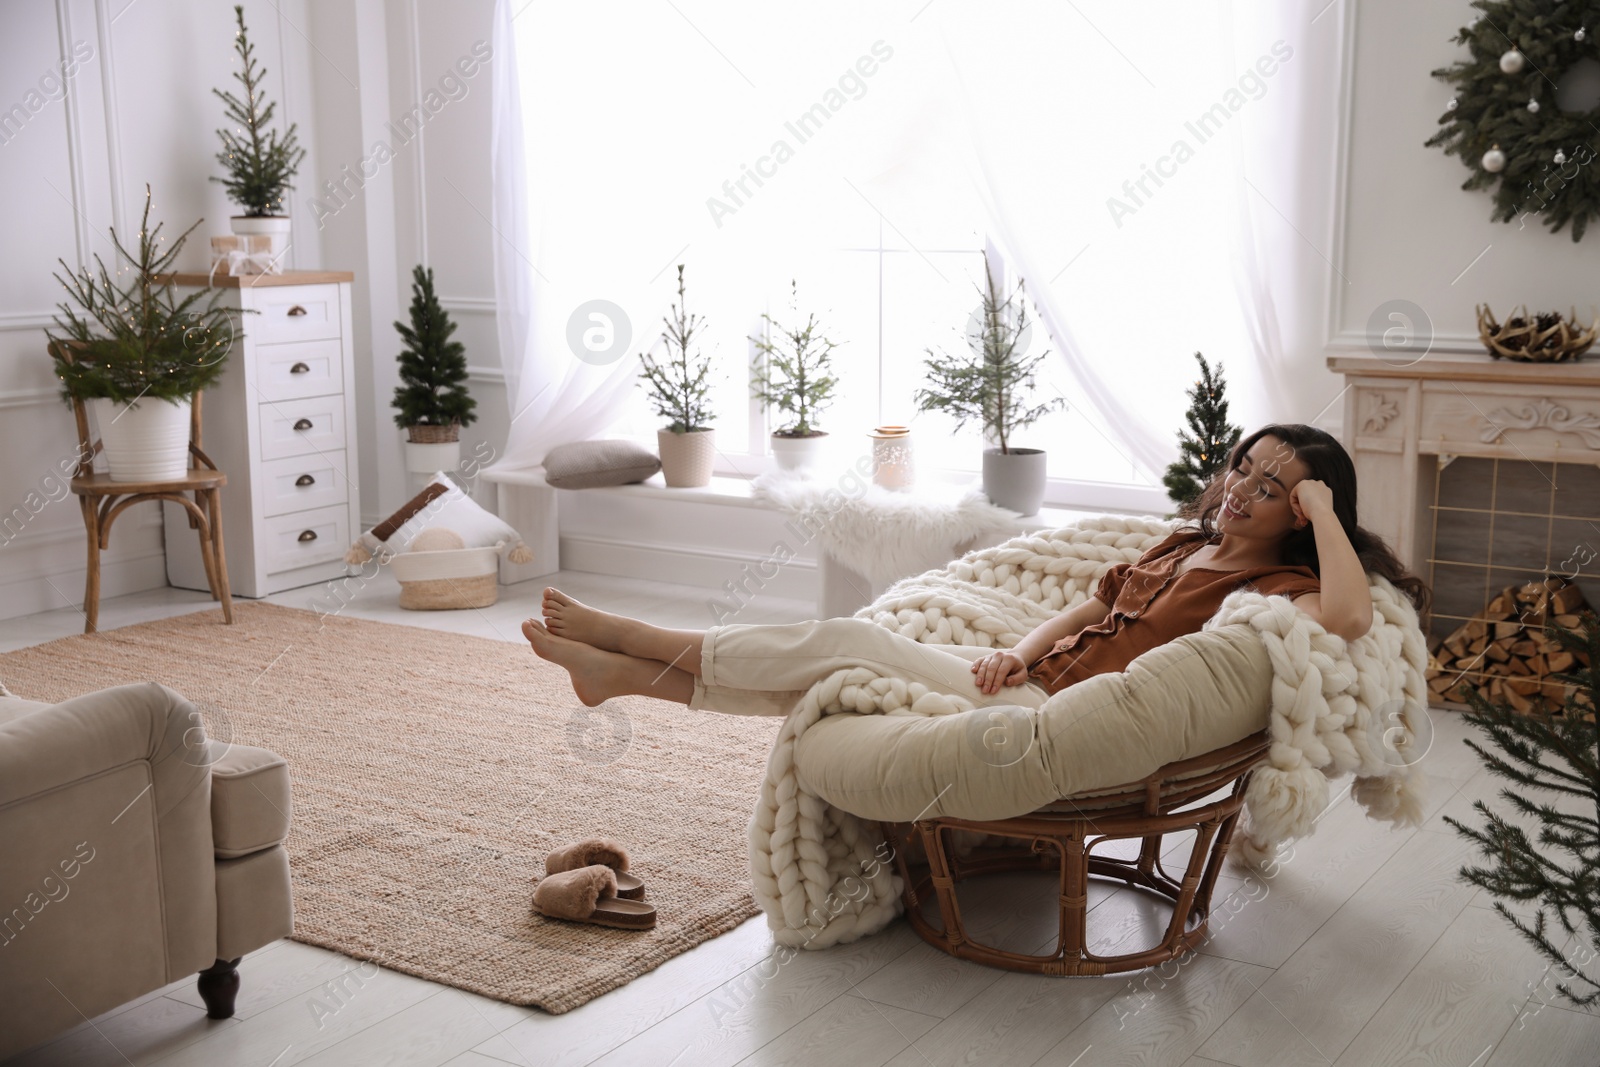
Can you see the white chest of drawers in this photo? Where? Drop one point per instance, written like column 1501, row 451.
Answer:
column 281, row 425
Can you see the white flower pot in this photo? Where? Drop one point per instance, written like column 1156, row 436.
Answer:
column 687, row 458
column 277, row 225
column 144, row 442
column 429, row 458
column 1015, row 479
column 798, row 453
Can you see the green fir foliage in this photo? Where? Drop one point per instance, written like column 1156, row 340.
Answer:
column 1492, row 109
column 678, row 386
column 1558, row 868
column 990, row 382
column 433, row 368
column 1209, row 441
column 796, row 374
column 259, row 163
column 134, row 338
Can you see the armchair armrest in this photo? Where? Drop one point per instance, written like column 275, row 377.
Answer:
column 124, row 773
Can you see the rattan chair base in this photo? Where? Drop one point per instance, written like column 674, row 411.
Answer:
column 1071, row 844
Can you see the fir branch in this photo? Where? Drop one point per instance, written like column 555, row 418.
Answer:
column 795, row 374
column 678, row 386
column 124, row 341
column 988, row 383
column 261, row 165
column 1553, row 753
column 1204, row 450
column 433, row 368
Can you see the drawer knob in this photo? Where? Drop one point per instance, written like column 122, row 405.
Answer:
column 299, row 368
column 307, row 535
column 296, row 310
column 302, row 424
column 305, row 480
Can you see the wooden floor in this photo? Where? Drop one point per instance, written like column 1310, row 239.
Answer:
column 1365, row 950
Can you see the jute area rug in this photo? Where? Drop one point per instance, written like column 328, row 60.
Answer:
column 432, row 773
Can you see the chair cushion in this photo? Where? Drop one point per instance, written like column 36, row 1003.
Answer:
column 596, row 464
column 1178, row 701
column 250, row 802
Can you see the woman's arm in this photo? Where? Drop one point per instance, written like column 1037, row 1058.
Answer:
column 1047, row 633
column 1010, row 666
column 1344, row 605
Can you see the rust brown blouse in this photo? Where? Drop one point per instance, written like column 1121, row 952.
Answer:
column 1149, row 607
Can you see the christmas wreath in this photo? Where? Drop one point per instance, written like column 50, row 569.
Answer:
column 1504, row 121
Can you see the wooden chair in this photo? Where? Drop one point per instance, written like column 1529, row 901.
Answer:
column 102, row 500
column 1069, row 837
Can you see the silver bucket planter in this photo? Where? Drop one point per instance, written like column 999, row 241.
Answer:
column 1015, row 480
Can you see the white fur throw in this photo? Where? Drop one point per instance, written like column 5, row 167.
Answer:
column 822, row 875
column 880, row 533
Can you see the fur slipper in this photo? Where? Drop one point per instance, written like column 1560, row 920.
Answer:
column 589, row 895
column 597, row 850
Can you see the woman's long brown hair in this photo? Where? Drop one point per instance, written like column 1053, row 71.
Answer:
column 1330, row 464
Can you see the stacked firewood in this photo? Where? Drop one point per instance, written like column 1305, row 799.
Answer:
column 1504, row 653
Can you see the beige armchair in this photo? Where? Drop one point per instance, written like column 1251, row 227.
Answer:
column 136, row 851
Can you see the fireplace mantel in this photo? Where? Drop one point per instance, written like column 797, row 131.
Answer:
column 1450, row 404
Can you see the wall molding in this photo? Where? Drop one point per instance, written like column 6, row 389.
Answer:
column 1350, row 341
column 487, row 374
column 23, row 321
column 1344, row 93
column 468, row 305
column 27, row 398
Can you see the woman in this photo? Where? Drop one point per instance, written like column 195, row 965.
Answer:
column 1280, row 518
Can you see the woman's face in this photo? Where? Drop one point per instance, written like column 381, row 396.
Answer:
column 1259, row 487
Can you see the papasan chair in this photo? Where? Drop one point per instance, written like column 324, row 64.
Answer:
column 881, row 794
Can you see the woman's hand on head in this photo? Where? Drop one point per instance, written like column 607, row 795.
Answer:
column 1310, row 498
column 999, row 668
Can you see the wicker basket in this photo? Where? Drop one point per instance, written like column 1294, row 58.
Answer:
column 448, row 579
column 425, row 434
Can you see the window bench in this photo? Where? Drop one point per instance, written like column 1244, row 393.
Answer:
column 706, row 536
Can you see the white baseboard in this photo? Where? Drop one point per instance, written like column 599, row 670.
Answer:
column 45, row 570
column 64, row 588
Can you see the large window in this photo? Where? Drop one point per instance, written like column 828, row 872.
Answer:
column 880, row 216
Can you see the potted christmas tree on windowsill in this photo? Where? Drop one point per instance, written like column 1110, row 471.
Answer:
column 795, row 376
column 990, row 384
column 679, row 391
column 431, row 402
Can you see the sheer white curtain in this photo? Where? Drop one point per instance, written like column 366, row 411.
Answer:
column 616, row 125
column 1109, row 144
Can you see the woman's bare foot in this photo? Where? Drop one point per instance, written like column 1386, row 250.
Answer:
column 576, row 621
column 597, row 675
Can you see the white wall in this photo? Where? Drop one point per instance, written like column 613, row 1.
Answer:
column 1409, row 229
column 1384, row 220
column 137, row 108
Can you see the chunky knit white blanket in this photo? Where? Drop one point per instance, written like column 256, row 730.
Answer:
column 821, row 874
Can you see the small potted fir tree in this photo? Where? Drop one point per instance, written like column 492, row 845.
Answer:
column 260, row 164
column 679, row 390
column 432, row 402
column 990, row 383
column 138, row 354
column 795, row 376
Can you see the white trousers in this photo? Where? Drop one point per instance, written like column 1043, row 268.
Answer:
column 757, row 669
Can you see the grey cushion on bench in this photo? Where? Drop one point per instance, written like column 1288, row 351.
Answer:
column 596, row 464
